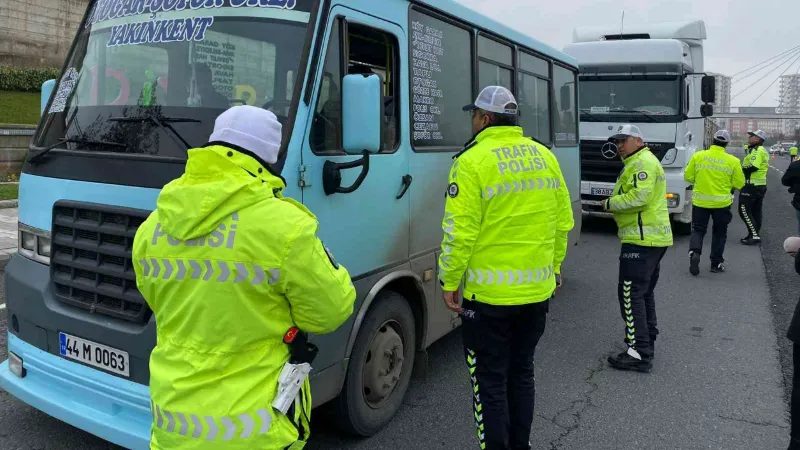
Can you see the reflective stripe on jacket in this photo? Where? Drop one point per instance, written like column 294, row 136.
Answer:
column 228, row 266
column 507, row 216
column 714, row 173
column 755, row 165
column 639, row 202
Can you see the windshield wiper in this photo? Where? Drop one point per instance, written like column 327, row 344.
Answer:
column 652, row 119
column 589, row 115
column 79, row 141
column 162, row 122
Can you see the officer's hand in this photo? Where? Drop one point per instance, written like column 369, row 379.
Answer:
column 559, row 281
column 451, row 300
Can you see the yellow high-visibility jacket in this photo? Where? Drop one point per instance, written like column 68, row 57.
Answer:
column 714, row 173
column 228, row 266
column 506, row 220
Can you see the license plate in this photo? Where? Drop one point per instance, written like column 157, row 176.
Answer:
column 603, row 191
column 94, row 354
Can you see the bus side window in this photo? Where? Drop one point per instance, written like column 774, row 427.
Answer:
column 371, row 51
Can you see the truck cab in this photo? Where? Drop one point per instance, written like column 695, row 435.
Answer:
column 650, row 75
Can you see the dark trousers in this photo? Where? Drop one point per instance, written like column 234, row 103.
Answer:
column 719, row 231
column 639, row 268
column 798, row 219
column 499, row 344
column 751, row 200
column 794, row 409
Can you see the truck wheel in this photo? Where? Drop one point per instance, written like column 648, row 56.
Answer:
column 380, row 367
column 681, row 228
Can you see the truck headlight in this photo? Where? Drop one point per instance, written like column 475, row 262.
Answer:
column 673, row 200
column 670, row 156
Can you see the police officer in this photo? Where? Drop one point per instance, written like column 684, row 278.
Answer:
column 751, row 198
column 639, row 205
column 506, row 220
column 714, row 174
column 226, row 286
column 793, row 153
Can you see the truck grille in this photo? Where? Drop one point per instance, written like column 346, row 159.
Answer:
column 91, row 266
column 595, row 167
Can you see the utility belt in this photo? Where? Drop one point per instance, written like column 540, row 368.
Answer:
column 293, row 398
column 753, row 190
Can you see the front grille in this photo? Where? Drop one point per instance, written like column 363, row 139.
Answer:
column 596, row 167
column 91, row 266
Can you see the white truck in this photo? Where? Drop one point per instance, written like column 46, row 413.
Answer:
column 650, row 75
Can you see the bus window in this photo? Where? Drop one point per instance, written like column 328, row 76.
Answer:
column 566, row 123
column 495, row 64
column 441, row 83
column 370, row 51
column 533, row 95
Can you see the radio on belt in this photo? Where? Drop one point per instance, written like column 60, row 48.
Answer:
column 296, row 370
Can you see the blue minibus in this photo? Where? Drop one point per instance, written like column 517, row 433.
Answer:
column 369, row 94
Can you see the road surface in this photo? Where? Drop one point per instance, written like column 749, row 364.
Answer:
column 719, row 378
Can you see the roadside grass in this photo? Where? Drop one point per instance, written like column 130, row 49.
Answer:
column 9, row 192
column 19, row 108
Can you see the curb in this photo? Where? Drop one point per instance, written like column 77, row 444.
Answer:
column 5, row 204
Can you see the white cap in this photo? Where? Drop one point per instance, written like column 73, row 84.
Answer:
column 791, row 245
column 496, row 99
column 759, row 134
column 722, row 136
column 626, row 131
column 251, row 128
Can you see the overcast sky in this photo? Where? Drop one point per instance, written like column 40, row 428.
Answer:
column 741, row 33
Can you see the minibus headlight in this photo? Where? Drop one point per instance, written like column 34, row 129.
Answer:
column 27, row 241
column 44, row 246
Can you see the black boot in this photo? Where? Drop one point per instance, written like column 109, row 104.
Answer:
column 652, row 347
column 624, row 361
column 752, row 241
column 694, row 263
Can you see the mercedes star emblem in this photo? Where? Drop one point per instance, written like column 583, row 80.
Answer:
column 609, row 150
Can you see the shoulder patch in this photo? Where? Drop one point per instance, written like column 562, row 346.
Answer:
column 642, row 176
column 539, row 142
column 466, row 147
column 452, row 190
column 330, row 256
column 753, row 158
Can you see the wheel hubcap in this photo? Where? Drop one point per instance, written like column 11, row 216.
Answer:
column 384, row 364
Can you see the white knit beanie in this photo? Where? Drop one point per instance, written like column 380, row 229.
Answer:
column 251, row 128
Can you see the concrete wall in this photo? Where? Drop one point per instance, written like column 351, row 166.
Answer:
column 14, row 142
column 38, row 33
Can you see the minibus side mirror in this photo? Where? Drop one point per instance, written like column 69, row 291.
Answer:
column 362, row 111
column 47, row 90
column 362, row 114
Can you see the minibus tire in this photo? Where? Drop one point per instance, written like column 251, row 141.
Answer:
column 363, row 411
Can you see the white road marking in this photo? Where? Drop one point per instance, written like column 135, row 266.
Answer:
column 779, row 170
column 2, row 307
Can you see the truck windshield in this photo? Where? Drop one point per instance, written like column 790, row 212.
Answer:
column 634, row 100
column 180, row 62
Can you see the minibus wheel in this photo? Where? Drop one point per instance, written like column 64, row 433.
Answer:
column 380, row 366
